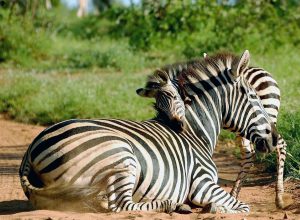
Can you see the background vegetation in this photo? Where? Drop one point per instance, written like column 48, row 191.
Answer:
column 55, row 66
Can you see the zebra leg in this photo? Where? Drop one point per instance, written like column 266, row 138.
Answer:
column 214, row 198
column 281, row 155
column 247, row 154
column 119, row 192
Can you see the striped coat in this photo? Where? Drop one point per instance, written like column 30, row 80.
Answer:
column 126, row 165
column 170, row 104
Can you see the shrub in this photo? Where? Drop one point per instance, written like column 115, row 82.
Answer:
column 208, row 26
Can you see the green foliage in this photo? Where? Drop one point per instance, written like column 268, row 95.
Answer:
column 48, row 43
column 289, row 128
column 87, row 28
column 207, row 26
column 21, row 44
column 56, row 39
column 112, row 56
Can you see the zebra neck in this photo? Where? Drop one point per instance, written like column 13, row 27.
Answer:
column 204, row 120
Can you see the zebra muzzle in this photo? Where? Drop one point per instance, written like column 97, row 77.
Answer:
column 262, row 146
column 178, row 124
column 269, row 144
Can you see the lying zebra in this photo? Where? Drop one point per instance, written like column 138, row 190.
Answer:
column 171, row 106
column 146, row 165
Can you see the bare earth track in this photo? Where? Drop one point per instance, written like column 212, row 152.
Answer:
column 259, row 192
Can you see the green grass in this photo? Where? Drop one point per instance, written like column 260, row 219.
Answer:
column 49, row 98
column 289, row 127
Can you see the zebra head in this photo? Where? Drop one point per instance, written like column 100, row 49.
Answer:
column 239, row 70
column 169, row 104
column 246, row 114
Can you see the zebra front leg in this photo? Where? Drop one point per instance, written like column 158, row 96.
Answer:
column 119, row 192
column 281, row 155
column 247, row 154
column 214, row 198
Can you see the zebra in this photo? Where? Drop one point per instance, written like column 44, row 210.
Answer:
column 172, row 107
column 268, row 91
column 120, row 165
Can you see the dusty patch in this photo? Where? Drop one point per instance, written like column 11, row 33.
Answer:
column 259, row 192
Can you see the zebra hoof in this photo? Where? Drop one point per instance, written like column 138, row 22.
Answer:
column 210, row 208
column 183, row 209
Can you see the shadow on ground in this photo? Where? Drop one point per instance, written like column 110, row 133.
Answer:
column 15, row 206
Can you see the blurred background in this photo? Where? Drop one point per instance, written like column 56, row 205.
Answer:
column 85, row 58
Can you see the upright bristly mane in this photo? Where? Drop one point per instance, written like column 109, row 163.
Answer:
column 195, row 70
column 200, row 69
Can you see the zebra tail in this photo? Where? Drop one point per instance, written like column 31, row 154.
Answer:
column 26, row 172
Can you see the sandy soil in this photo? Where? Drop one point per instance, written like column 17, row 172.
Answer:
column 258, row 192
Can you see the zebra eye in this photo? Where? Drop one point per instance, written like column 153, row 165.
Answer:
column 170, row 94
column 153, row 85
column 174, row 97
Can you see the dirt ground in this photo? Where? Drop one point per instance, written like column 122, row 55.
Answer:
column 259, row 191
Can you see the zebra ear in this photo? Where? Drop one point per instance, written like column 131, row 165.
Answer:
column 162, row 76
column 243, row 63
column 204, row 55
column 144, row 92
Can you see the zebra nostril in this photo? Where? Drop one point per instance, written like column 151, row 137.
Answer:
column 261, row 146
column 274, row 139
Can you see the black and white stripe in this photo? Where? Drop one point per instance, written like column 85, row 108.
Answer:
column 144, row 165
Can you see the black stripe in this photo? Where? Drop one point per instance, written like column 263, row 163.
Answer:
column 95, row 160
column 44, row 145
column 257, row 77
column 270, row 95
column 264, row 85
column 271, row 106
column 76, row 151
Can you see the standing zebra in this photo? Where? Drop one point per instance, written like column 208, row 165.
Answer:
column 170, row 104
column 267, row 90
column 146, row 165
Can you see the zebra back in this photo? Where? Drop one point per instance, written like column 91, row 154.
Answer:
column 266, row 88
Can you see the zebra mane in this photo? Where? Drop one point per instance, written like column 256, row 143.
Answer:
column 194, row 70
column 199, row 69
